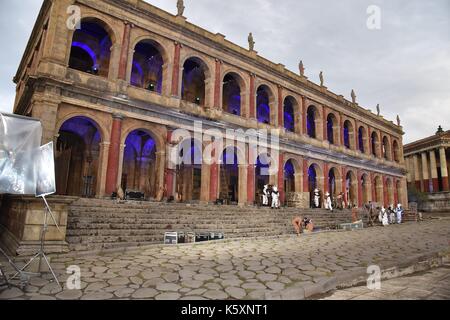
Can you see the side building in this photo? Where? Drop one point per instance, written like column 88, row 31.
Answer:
column 427, row 162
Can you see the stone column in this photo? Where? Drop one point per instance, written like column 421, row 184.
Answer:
column 242, row 188
column 217, row 84
column 344, row 183
column 251, row 184
column 373, row 187
column 252, row 97
column 325, row 178
column 120, row 169
column 369, row 140
column 325, row 124
column 213, row 185
column 159, row 168
column 342, row 131
column 409, row 171
column 102, row 167
column 425, row 176
column 298, row 178
column 305, row 117
column 170, row 169
column 417, row 172
column 113, row 157
column 205, row 182
column 305, row 176
column 385, row 192
column 444, row 169
column 281, row 178
column 395, row 191
column 434, row 173
column 280, row 107
column 360, row 189
column 124, row 51
column 176, row 71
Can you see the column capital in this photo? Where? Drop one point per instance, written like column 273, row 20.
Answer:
column 118, row 116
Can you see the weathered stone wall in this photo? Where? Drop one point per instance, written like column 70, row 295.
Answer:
column 21, row 223
column 437, row 202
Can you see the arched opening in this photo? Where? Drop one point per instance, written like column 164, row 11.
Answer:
column 351, row 189
column 332, row 129
column 264, row 104
column 390, row 192
column 91, row 49
column 289, row 114
column 147, row 68
column 386, row 149
column 374, row 142
column 289, row 177
column 189, row 171
column 262, row 174
column 77, row 157
column 232, row 94
column 229, row 176
column 362, row 139
column 332, row 183
column 365, row 184
column 396, row 151
column 311, row 121
column 193, row 86
column 139, row 164
column 379, row 190
column 348, row 135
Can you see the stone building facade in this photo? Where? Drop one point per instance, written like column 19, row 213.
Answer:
column 113, row 93
column 427, row 162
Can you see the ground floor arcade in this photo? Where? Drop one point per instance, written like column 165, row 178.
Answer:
column 97, row 152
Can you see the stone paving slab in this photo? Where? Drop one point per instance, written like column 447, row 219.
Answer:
column 429, row 285
column 282, row 268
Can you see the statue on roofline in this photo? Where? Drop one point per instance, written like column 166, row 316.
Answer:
column 378, row 110
column 180, row 7
column 251, row 42
column 440, row 130
column 301, row 68
column 321, row 78
column 398, row 121
column 353, row 96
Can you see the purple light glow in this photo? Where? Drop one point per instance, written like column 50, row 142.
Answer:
column 86, row 48
column 289, row 170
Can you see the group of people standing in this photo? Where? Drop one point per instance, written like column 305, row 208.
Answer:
column 329, row 202
column 271, row 197
column 391, row 215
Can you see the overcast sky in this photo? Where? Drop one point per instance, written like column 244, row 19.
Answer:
column 404, row 66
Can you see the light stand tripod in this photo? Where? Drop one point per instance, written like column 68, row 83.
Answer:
column 24, row 276
column 41, row 253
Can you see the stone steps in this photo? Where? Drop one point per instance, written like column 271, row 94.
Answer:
column 103, row 224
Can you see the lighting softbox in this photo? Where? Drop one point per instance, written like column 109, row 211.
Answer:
column 20, row 139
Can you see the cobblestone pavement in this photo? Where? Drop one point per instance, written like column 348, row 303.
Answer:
column 246, row 269
column 429, row 285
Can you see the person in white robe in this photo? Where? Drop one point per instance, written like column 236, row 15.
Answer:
column 328, row 202
column 265, row 196
column 275, row 198
column 399, row 213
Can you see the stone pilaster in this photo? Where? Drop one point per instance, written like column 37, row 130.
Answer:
column 114, row 154
column 444, row 169
column 434, row 173
column 425, row 175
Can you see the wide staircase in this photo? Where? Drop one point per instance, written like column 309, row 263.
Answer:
column 105, row 224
